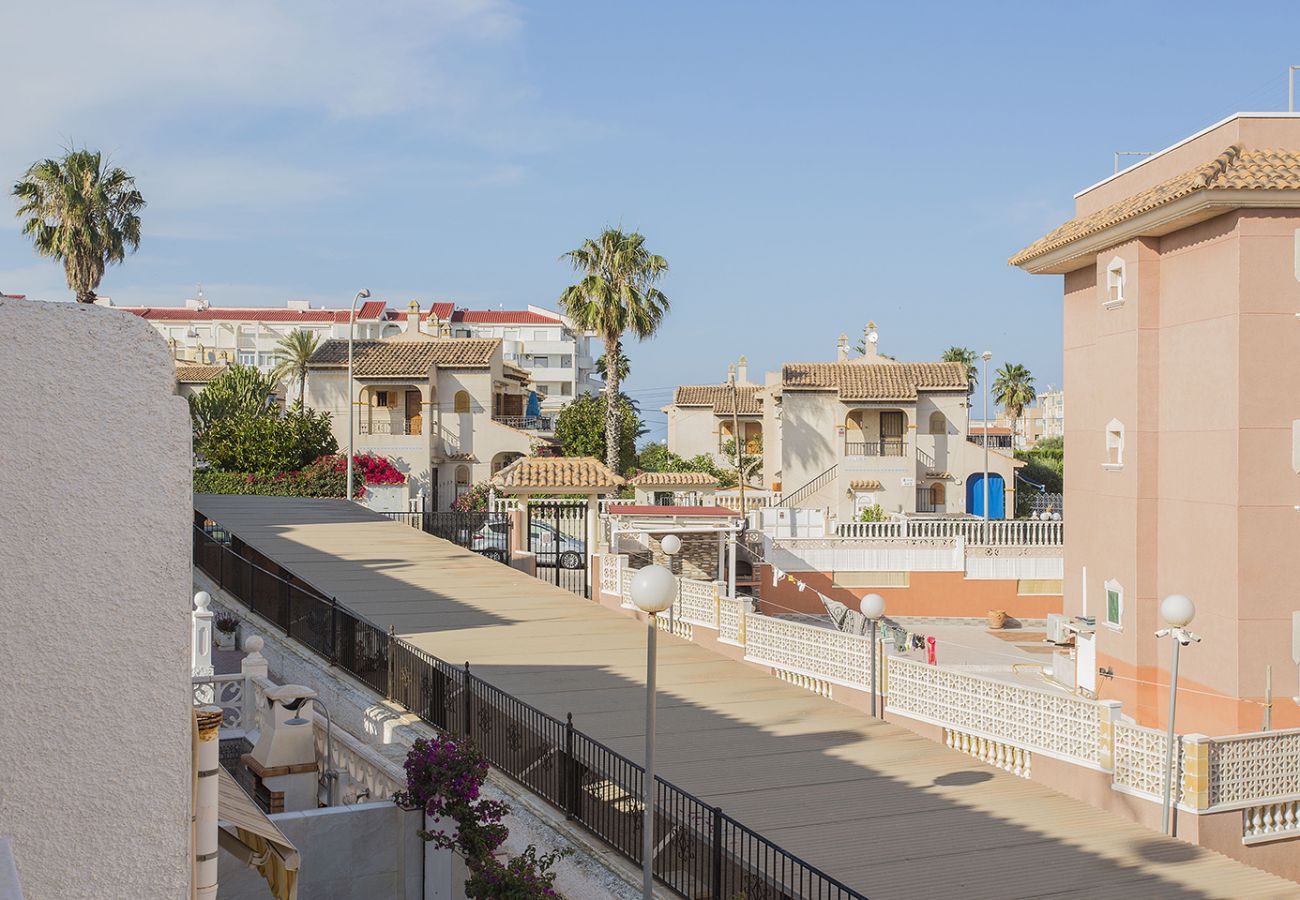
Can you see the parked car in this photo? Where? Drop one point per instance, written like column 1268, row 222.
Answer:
column 553, row 547
column 492, row 540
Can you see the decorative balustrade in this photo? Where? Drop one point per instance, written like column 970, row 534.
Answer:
column 820, row 653
column 369, row 775
column 388, row 426
column 527, row 423
column 996, row 533
column 1140, row 759
column 731, row 621
column 1060, row 725
column 1257, row 768
column 611, row 573
column 696, row 602
column 225, row 691
column 997, row 754
column 1270, row 822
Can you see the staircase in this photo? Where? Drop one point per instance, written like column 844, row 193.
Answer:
column 801, row 495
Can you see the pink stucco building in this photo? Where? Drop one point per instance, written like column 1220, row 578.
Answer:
column 1182, row 291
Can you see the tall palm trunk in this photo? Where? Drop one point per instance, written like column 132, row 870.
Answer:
column 612, row 419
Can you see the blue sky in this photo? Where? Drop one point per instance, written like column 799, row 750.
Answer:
column 804, row 168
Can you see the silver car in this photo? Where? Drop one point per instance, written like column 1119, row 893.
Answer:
column 556, row 548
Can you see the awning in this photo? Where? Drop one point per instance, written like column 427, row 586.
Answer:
column 252, row 838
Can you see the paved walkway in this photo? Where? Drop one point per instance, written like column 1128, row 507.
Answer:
column 887, row 811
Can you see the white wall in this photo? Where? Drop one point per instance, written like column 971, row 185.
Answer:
column 348, row 853
column 94, row 605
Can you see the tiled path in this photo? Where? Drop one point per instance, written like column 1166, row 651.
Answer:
column 885, row 810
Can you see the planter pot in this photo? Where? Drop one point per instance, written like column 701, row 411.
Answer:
column 997, row 618
column 225, row 640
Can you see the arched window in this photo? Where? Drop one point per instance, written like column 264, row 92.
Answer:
column 1116, row 283
column 462, row 402
column 1114, row 444
column 938, row 423
column 938, row 494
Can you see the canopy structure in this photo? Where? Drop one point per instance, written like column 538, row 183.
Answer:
column 251, row 837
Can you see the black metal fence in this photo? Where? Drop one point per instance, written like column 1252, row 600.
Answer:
column 702, row 852
column 557, row 536
column 483, row 532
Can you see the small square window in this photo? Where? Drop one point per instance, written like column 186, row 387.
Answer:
column 1116, row 283
column 381, row 398
column 1114, row 604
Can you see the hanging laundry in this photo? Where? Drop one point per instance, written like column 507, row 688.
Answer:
column 902, row 641
column 918, row 642
column 931, row 646
column 801, row 587
column 777, row 575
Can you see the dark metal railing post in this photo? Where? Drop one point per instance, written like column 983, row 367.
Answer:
column 392, row 632
column 467, row 723
column 717, row 854
column 569, row 788
column 334, row 631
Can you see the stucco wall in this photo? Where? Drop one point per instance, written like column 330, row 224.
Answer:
column 94, row 603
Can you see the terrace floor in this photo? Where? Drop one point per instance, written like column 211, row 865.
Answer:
column 883, row 809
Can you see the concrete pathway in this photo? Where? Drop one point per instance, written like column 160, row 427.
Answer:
column 883, row 809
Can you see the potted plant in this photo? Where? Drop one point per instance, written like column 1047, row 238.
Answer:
column 225, row 631
column 997, row 618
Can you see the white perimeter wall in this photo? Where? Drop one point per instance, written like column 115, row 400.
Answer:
column 95, row 584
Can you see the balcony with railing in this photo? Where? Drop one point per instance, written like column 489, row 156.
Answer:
column 390, row 426
column 882, row 447
column 527, row 423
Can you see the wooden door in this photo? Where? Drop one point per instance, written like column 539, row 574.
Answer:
column 891, row 433
column 414, row 413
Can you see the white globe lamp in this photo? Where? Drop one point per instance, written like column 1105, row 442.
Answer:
column 873, row 606
column 653, row 589
column 671, row 544
column 1177, row 611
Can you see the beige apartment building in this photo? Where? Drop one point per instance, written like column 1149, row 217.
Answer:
column 1182, row 291
column 853, row 433
column 447, row 410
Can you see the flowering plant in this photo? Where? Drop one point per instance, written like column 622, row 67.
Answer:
column 473, row 500
column 444, row 779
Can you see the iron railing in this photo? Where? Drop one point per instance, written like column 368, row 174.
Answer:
column 886, row 447
column 527, row 423
column 702, row 852
column 797, row 496
column 486, row 533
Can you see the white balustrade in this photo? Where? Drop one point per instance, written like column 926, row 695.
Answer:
column 821, row 653
column 995, row 533
column 731, row 615
column 1060, row 725
column 225, row 691
column 1140, row 760
column 369, row 775
column 696, row 602
column 1002, row 756
column 1270, row 822
column 611, row 573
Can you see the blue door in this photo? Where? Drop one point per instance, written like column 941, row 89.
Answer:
column 975, row 496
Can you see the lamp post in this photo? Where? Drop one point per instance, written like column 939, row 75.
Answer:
column 671, row 545
column 352, row 328
column 986, row 356
column 653, row 588
column 1178, row 612
column 873, row 607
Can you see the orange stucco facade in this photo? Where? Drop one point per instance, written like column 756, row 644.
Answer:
column 1180, row 475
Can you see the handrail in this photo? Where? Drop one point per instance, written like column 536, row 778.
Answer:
column 803, row 493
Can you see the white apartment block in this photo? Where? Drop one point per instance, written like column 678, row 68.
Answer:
column 542, row 342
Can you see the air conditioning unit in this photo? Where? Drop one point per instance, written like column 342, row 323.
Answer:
column 1058, row 628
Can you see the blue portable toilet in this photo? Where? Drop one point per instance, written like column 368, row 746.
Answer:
column 997, row 495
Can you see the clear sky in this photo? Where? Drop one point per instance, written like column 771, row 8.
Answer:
column 803, row 167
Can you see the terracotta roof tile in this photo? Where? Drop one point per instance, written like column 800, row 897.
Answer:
column 857, row 380
column 719, row 397
column 556, row 473
column 197, row 373
column 406, row 358
column 1234, row 169
column 503, row 317
column 670, row 479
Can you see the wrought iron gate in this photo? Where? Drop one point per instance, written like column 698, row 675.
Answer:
column 557, row 534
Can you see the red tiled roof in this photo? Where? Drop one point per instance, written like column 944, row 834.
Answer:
column 992, row 429
column 12, row 296
column 442, row 310
column 406, row 358
column 502, row 317
column 371, row 309
column 235, row 314
column 719, row 397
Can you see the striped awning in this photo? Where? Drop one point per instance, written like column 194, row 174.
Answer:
column 252, row 838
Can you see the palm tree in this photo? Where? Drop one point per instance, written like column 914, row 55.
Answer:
column 624, row 366
column 294, row 349
column 1014, row 389
column 966, row 357
column 82, row 213
column 617, row 294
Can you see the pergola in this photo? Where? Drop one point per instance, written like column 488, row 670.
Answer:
column 726, row 524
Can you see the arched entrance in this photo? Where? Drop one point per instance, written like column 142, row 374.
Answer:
column 975, row 495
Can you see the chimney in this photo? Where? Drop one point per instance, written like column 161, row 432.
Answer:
column 731, row 373
column 869, row 339
column 842, row 349
column 413, row 317
column 742, row 371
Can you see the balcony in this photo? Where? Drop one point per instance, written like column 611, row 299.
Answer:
column 408, row 426
column 527, row 423
column 885, row 447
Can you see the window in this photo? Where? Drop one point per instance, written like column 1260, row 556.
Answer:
column 1116, row 283
column 1114, row 604
column 462, row 402
column 566, row 390
column 247, row 358
column 1114, row 445
column 938, row 495
column 938, row 424
column 566, row 361
column 541, row 362
column 381, row 398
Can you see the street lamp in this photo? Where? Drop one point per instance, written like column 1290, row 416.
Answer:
column 986, row 356
column 873, row 607
column 352, row 328
column 671, row 545
column 1178, row 612
column 653, row 588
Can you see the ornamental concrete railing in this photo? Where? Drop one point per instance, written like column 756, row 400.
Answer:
column 1003, row 722
column 994, row 533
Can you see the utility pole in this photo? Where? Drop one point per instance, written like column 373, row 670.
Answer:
column 735, row 436
column 1290, row 95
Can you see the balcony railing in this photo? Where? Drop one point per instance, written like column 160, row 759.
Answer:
column 527, row 423
column 409, row 426
column 885, row 447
